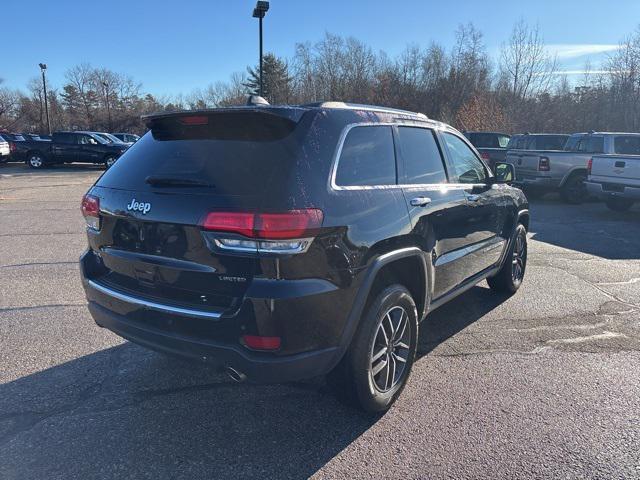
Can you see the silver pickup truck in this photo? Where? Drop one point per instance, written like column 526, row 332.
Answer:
column 616, row 178
column 539, row 171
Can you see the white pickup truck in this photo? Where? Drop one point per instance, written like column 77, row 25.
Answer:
column 616, row 178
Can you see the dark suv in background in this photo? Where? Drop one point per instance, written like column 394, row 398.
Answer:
column 284, row 243
column 68, row 147
column 492, row 146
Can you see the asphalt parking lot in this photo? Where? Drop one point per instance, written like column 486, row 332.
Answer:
column 543, row 384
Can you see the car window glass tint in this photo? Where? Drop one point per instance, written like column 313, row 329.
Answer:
column 596, row 145
column 626, row 145
column 591, row 144
column 367, row 157
column 467, row 167
column 422, row 159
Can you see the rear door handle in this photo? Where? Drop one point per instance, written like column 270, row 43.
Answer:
column 472, row 197
column 420, row 201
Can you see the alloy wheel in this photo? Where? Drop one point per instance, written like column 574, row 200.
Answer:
column 390, row 350
column 35, row 161
column 519, row 260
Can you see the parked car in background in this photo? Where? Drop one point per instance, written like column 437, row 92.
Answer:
column 538, row 141
column 69, row 147
column 31, row 136
column 283, row 243
column 492, row 146
column 616, row 178
column 111, row 138
column 540, row 171
column 5, row 150
column 12, row 136
column 127, row 137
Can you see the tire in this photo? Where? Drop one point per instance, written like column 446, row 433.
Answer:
column 574, row 191
column 109, row 161
column 618, row 204
column 355, row 378
column 511, row 274
column 35, row 160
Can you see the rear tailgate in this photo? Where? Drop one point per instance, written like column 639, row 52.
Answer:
column 618, row 169
column 525, row 162
column 153, row 201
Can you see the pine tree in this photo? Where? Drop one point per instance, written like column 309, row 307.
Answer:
column 276, row 82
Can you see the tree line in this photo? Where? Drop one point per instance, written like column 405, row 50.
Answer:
column 521, row 90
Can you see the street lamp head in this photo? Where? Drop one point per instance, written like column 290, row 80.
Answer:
column 43, row 66
column 261, row 9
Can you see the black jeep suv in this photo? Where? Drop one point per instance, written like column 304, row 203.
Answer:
column 283, row 243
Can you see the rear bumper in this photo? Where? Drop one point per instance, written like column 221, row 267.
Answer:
column 613, row 190
column 528, row 180
column 258, row 367
column 311, row 335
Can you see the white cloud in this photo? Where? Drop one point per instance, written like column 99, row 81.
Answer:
column 565, row 51
column 580, row 72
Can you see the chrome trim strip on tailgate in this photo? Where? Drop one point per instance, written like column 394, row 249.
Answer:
column 153, row 305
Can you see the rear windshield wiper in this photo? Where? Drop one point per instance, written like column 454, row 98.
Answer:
column 157, row 181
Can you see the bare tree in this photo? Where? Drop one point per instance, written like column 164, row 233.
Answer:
column 9, row 106
column 525, row 65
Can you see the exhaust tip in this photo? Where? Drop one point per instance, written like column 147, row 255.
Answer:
column 235, row 375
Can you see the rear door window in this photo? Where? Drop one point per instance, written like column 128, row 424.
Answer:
column 367, row 157
column 626, row 145
column 422, row 161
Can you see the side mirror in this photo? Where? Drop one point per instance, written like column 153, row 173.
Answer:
column 504, row 173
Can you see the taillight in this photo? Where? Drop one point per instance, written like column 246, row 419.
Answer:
column 282, row 232
column 91, row 211
column 234, row 222
column 256, row 342
column 589, row 166
column 543, row 164
column 274, row 226
column 485, row 156
column 12, row 147
column 194, row 120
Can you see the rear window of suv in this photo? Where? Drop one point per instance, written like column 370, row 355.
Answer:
column 234, row 153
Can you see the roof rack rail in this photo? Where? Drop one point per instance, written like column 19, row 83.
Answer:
column 358, row 106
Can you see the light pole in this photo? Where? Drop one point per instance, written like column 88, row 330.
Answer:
column 106, row 92
column 43, row 67
column 259, row 12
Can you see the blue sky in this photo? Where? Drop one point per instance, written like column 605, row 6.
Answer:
column 174, row 47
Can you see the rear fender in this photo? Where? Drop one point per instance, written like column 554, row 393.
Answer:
column 370, row 275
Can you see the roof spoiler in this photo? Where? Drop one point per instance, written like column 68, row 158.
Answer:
column 293, row 114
